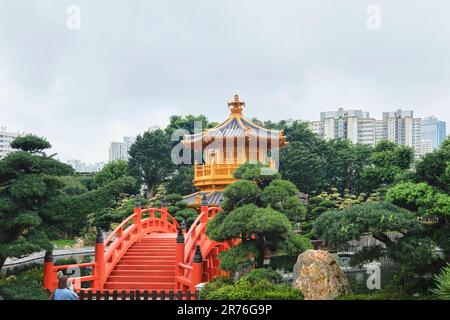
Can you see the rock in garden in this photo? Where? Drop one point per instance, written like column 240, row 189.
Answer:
column 318, row 276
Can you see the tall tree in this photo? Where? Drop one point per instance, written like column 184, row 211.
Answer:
column 111, row 172
column 434, row 168
column 28, row 182
column 150, row 160
column 259, row 217
column 387, row 164
column 188, row 123
column 180, row 181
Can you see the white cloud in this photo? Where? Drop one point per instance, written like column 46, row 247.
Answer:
column 132, row 65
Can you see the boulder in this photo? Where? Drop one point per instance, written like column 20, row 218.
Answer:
column 318, row 276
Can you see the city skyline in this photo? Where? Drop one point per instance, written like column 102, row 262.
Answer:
column 118, row 150
column 83, row 88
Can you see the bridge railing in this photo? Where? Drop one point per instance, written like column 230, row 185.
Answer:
column 191, row 249
column 129, row 231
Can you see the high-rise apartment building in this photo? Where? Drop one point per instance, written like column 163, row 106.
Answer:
column 119, row 150
column 402, row 128
column 351, row 124
column 82, row 167
column 5, row 141
column 434, row 131
column 356, row 125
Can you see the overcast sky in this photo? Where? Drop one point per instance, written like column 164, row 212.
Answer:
column 132, row 64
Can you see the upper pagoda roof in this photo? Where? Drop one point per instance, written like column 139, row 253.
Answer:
column 235, row 126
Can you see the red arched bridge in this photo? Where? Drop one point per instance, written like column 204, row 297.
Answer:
column 148, row 251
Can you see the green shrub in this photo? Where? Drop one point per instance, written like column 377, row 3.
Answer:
column 390, row 292
column 260, row 290
column 65, row 261
column 285, row 262
column 442, row 290
column 214, row 285
column 24, row 285
column 259, row 284
column 263, row 274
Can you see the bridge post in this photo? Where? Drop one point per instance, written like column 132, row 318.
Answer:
column 99, row 260
column 183, row 226
column 138, row 218
column 164, row 212
column 204, row 209
column 197, row 268
column 49, row 274
column 179, row 256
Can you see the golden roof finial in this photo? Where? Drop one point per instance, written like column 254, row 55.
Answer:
column 236, row 106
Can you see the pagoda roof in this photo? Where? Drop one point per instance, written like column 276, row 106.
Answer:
column 213, row 198
column 235, row 126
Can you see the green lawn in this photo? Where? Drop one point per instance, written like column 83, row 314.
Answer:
column 62, row 243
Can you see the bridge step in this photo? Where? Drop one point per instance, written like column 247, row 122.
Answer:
column 147, row 259
column 150, row 252
column 142, row 279
column 137, row 272
column 147, row 265
column 149, row 246
column 124, row 267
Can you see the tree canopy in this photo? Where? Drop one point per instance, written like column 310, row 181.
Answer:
column 261, row 219
column 149, row 159
column 111, row 171
column 30, row 143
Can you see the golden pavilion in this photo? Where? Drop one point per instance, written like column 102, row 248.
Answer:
column 226, row 147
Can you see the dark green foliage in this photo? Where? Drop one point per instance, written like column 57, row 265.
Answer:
column 179, row 210
column 442, row 290
column 260, row 218
column 116, row 213
column 30, row 143
column 283, row 196
column 238, row 258
column 70, row 213
column 420, row 197
column 180, row 181
column 388, row 293
column 23, row 285
column 389, row 162
column 240, row 193
column 73, row 185
column 112, row 171
column 29, row 182
column 149, row 159
column 259, row 284
column 187, row 123
column 434, row 168
column 262, row 274
column 258, row 173
column 414, row 253
column 214, row 285
column 341, row 226
column 314, row 164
